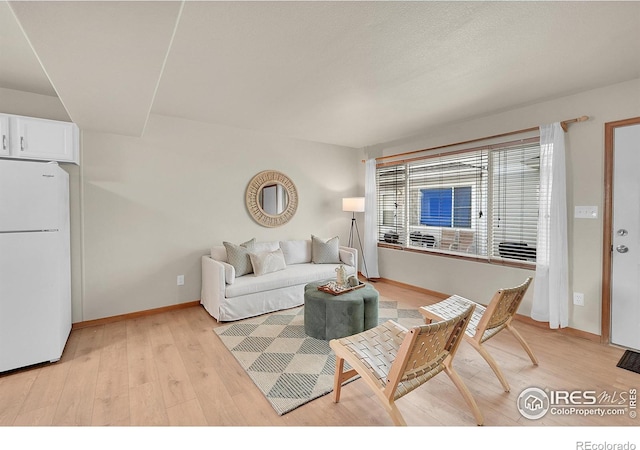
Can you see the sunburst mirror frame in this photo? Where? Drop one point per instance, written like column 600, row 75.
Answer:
column 266, row 178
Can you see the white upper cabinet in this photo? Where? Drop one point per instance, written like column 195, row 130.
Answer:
column 39, row 139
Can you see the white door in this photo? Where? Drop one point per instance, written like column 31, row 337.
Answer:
column 29, row 195
column 625, row 269
column 30, row 313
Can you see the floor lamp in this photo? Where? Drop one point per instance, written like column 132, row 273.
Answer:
column 354, row 205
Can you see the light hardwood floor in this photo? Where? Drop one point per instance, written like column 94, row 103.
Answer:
column 171, row 369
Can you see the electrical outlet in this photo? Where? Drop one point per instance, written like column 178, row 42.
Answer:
column 578, row 298
column 180, row 280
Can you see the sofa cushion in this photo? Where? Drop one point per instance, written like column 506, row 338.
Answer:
column 296, row 252
column 325, row 251
column 266, row 246
column 238, row 256
column 219, row 253
column 267, row 262
column 297, row 274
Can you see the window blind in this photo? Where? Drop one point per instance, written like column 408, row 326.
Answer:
column 391, row 204
column 481, row 202
column 515, row 187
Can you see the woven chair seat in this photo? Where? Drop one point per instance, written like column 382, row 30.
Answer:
column 377, row 349
column 486, row 321
column 454, row 305
column 393, row 360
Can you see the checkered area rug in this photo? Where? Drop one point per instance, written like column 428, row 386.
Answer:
column 289, row 367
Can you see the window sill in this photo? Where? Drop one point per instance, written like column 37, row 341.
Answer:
column 529, row 265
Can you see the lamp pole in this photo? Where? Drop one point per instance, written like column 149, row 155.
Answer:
column 354, row 224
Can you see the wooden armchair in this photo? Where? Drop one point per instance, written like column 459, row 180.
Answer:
column 485, row 322
column 394, row 361
column 465, row 240
column 447, row 239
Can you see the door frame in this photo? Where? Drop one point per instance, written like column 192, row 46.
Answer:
column 607, row 241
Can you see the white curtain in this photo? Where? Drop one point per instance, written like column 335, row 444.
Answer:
column 370, row 251
column 551, row 285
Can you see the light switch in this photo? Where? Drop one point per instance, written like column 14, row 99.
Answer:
column 586, row 212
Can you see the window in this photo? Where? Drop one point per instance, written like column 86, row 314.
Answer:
column 480, row 202
column 446, row 207
column 391, row 201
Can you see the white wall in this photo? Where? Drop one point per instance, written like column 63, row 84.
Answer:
column 34, row 105
column 145, row 209
column 153, row 205
column 585, row 161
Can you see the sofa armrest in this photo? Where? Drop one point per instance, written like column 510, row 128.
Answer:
column 349, row 256
column 229, row 272
column 213, row 285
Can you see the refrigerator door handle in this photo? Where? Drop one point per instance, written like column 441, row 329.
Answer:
column 4, row 142
column 21, row 143
column 48, row 230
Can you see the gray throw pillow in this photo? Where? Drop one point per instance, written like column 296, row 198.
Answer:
column 239, row 256
column 325, row 251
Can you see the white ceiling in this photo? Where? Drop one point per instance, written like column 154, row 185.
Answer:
column 347, row 73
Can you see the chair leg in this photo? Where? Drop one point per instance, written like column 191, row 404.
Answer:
column 340, row 377
column 394, row 412
column 492, row 363
column 466, row 393
column 524, row 344
column 337, row 379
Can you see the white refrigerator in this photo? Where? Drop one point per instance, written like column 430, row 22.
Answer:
column 35, row 263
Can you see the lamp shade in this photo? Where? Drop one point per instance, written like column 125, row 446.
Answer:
column 353, row 204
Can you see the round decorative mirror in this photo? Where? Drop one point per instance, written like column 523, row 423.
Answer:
column 272, row 198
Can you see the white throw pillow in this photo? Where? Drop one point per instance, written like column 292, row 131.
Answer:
column 348, row 258
column 267, row 262
column 268, row 246
column 219, row 253
column 296, row 252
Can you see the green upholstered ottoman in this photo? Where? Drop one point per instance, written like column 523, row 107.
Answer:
column 329, row 316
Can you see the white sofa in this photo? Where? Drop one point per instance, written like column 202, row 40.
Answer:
column 227, row 297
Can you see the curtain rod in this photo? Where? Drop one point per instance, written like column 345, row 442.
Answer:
column 564, row 124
